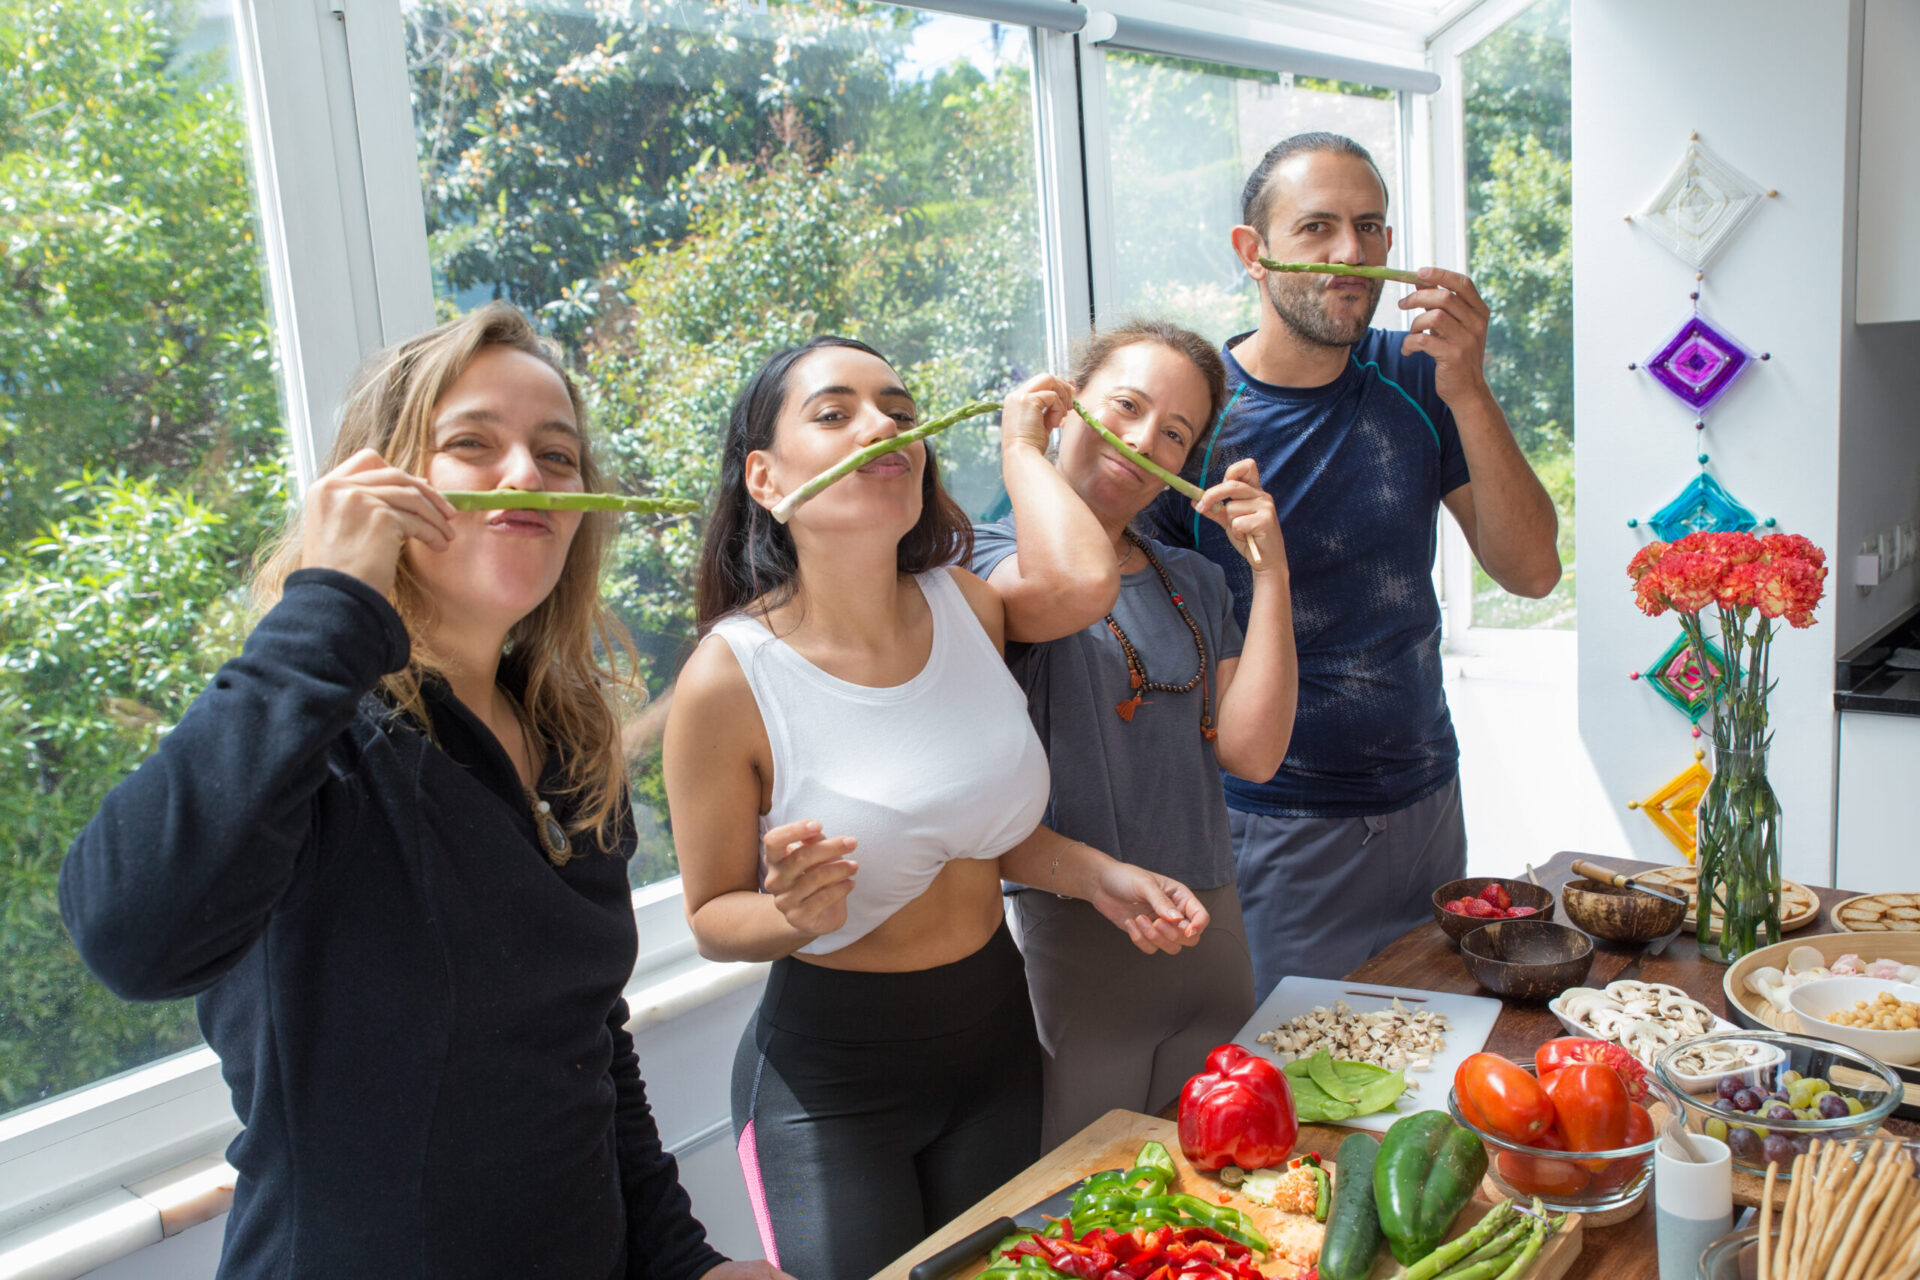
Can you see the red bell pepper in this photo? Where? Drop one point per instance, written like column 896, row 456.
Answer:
column 1238, row 1110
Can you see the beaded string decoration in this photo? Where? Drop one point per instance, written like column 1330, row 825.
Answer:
column 1137, row 671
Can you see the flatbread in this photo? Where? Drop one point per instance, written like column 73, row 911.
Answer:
column 1876, row 912
column 1799, row 907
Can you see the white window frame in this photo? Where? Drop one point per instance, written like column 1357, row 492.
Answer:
column 1446, row 160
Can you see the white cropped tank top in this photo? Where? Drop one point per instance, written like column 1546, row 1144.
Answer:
column 944, row 766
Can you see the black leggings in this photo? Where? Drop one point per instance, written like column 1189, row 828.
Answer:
column 871, row 1108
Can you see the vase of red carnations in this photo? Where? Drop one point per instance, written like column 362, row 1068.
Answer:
column 1748, row 583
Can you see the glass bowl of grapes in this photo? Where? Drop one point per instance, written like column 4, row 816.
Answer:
column 1801, row 1088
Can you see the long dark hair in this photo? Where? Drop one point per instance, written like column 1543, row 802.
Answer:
column 746, row 555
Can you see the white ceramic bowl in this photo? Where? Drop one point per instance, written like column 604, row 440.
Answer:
column 1813, row 1001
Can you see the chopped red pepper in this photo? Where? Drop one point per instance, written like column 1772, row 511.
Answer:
column 1238, row 1110
column 1160, row 1253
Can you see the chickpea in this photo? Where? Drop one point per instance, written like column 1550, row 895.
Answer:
column 1885, row 1013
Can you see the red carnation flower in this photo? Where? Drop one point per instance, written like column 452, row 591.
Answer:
column 1645, row 560
column 1691, row 579
column 1792, row 546
column 1736, row 586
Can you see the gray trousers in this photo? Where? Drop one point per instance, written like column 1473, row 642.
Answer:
column 1322, row 896
column 1120, row 1028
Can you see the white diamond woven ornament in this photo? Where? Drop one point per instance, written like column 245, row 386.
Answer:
column 1699, row 207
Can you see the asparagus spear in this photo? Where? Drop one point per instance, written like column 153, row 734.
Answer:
column 1342, row 269
column 1185, row 488
column 544, row 500
column 847, row 466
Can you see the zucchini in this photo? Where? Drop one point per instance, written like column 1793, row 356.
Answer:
column 1353, row 1227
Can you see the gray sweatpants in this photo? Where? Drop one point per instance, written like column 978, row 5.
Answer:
column 1322, row 896
column 1121, row 1028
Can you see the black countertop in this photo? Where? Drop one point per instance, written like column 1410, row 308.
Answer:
column 1872, row 678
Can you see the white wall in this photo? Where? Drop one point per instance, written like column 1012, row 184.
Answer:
column 1767, row 84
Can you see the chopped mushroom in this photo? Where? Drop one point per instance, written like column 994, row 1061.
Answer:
column 1396, row 1038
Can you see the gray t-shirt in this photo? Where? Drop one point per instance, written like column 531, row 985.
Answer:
column 1148, row 790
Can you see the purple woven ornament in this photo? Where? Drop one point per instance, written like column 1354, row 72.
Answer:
column 1698, row 363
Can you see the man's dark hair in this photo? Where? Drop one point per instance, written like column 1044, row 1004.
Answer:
column 1256, row 201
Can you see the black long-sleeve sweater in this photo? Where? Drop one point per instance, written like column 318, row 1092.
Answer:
column 420, row 1017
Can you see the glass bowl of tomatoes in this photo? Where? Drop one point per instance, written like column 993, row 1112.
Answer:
column 1460, row 906
column 1580, row 1138
column 1767, row 1113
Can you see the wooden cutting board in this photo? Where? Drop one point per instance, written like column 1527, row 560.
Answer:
column 1112, row 1141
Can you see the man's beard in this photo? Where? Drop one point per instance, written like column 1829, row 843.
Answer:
column 1298, row 302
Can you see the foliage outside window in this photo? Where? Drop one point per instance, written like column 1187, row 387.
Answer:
column 1519, row 174
column 676, row 190
column 1182, row 138
column 142, row 462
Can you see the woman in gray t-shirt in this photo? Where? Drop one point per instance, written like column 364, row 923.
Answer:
column 1139, row 712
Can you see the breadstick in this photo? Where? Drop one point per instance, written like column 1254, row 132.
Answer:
column 1766, row 1220
column 1874, row 1228
column 1818, row 1158
column 1850, row 1185
column 1839, row 1257
column 1902, row 1231
column 1790, row 1217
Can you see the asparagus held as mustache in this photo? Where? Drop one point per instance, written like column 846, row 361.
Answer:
column 1185, row 488
column 1342, row 269
column 879, row 449
column 547, row 500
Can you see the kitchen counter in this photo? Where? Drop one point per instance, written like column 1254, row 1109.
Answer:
column 1875, row 678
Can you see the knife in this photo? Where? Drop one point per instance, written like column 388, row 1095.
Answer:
column 974, row 1244
column 1604, row 876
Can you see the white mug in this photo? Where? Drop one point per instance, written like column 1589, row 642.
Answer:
column 1692, row 1202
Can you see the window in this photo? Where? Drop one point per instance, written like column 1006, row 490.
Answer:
column 676, row 190
column 1182, row 138
column 142, row 462
column 1518, row 118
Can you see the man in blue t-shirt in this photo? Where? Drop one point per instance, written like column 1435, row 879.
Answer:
column 1361, row 435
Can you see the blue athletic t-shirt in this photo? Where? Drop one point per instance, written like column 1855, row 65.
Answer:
column 1357, row 469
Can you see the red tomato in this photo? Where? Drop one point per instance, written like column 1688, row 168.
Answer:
column 1566, row 1050
column 1541, row 1175
column 1618, row 1173
column 1591, row 1104
column 1507, row 1097
column 1550, row 1140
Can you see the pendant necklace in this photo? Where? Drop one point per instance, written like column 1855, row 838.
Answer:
column 551, row 835
column 1136, row 670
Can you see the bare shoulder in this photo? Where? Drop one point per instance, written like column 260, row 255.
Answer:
column 984, row 601
column 712, row 693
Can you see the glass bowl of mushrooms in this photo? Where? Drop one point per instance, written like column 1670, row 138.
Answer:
column 1799, row 1088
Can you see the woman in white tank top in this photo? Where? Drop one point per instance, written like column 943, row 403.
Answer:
column 851, row 773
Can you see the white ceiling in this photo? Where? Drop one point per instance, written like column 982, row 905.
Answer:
column 1421, row 19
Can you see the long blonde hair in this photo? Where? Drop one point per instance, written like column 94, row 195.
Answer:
column 573, row 653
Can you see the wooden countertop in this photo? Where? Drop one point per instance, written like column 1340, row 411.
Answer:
column 1425, row 958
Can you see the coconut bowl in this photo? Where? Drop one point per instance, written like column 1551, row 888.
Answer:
column 1620, row 914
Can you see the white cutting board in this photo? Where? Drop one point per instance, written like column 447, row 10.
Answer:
column 1470, row 1021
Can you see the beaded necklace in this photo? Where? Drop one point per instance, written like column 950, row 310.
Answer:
column 1137, row 671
